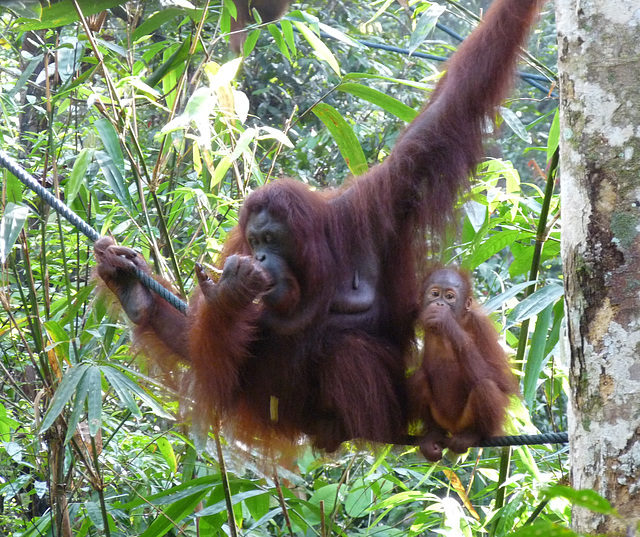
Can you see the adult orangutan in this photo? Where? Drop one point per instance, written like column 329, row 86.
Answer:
column 461, row 390
column 309, row 327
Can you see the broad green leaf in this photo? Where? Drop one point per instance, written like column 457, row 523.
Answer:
column 344, row 136
column 384, row 101
column 321, row 50
column 63, row 13
column 179, row 492
column 167, row 453
column 336, row 34
column 11, row 225
column 535, row 303
column 78, row 172
column 258, row 505
column 587, row 498
column 328, row 495
column 63, row 394
column 490, row 247
column 359, row 499
column 536, row 356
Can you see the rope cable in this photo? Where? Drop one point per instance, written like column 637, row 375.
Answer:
column 63, row 210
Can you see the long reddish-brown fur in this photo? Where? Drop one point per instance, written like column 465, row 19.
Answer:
column 462, row 388
column 320, row 371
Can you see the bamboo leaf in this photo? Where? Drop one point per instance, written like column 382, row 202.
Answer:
column 343, row 134
column 536, row 356
column 321, row 50
column 78, row 172
column 535, row 303
column 11, row 225
column 384, row 101
column 94, row 399
column 65, row 391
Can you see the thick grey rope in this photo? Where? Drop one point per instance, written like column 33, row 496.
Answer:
column 64, row 211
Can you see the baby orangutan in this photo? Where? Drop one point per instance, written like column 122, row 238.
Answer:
column 461, row 390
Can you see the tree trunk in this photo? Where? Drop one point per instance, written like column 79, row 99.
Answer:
column 599, row 65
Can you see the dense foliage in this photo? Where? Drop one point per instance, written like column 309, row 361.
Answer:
column 140, row 119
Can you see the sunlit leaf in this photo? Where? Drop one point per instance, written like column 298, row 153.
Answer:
column 321, row 50
column 11, row 225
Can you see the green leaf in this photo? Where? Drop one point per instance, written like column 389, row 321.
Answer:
column 127, row 384
column 78, row 408
column 6, row 424
column 114, row 378
column 425, row 25
column 384, row 101
column 29, row 9
column 344, row 136
column 490, row 247
column 177, row 59
column 587, row 498
column 109, row 137
column 543, row 529
column 13, row 187
column 498, row 300
column 63, row 13
column 535, row 303
column 279, row 39
column 359, row 500
column 167, row 453
column 221, row 506
column 65, row 391
column 410, row 83
column 155, row 20
column 78, row 172
column 321, row 50
column 114, row 177
column 536, row 356
column 287, row 32
column 94, row 398
column 554, row 136
column 511, row 119
column 250, row 42
column 173, row 514
column 11, row 225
